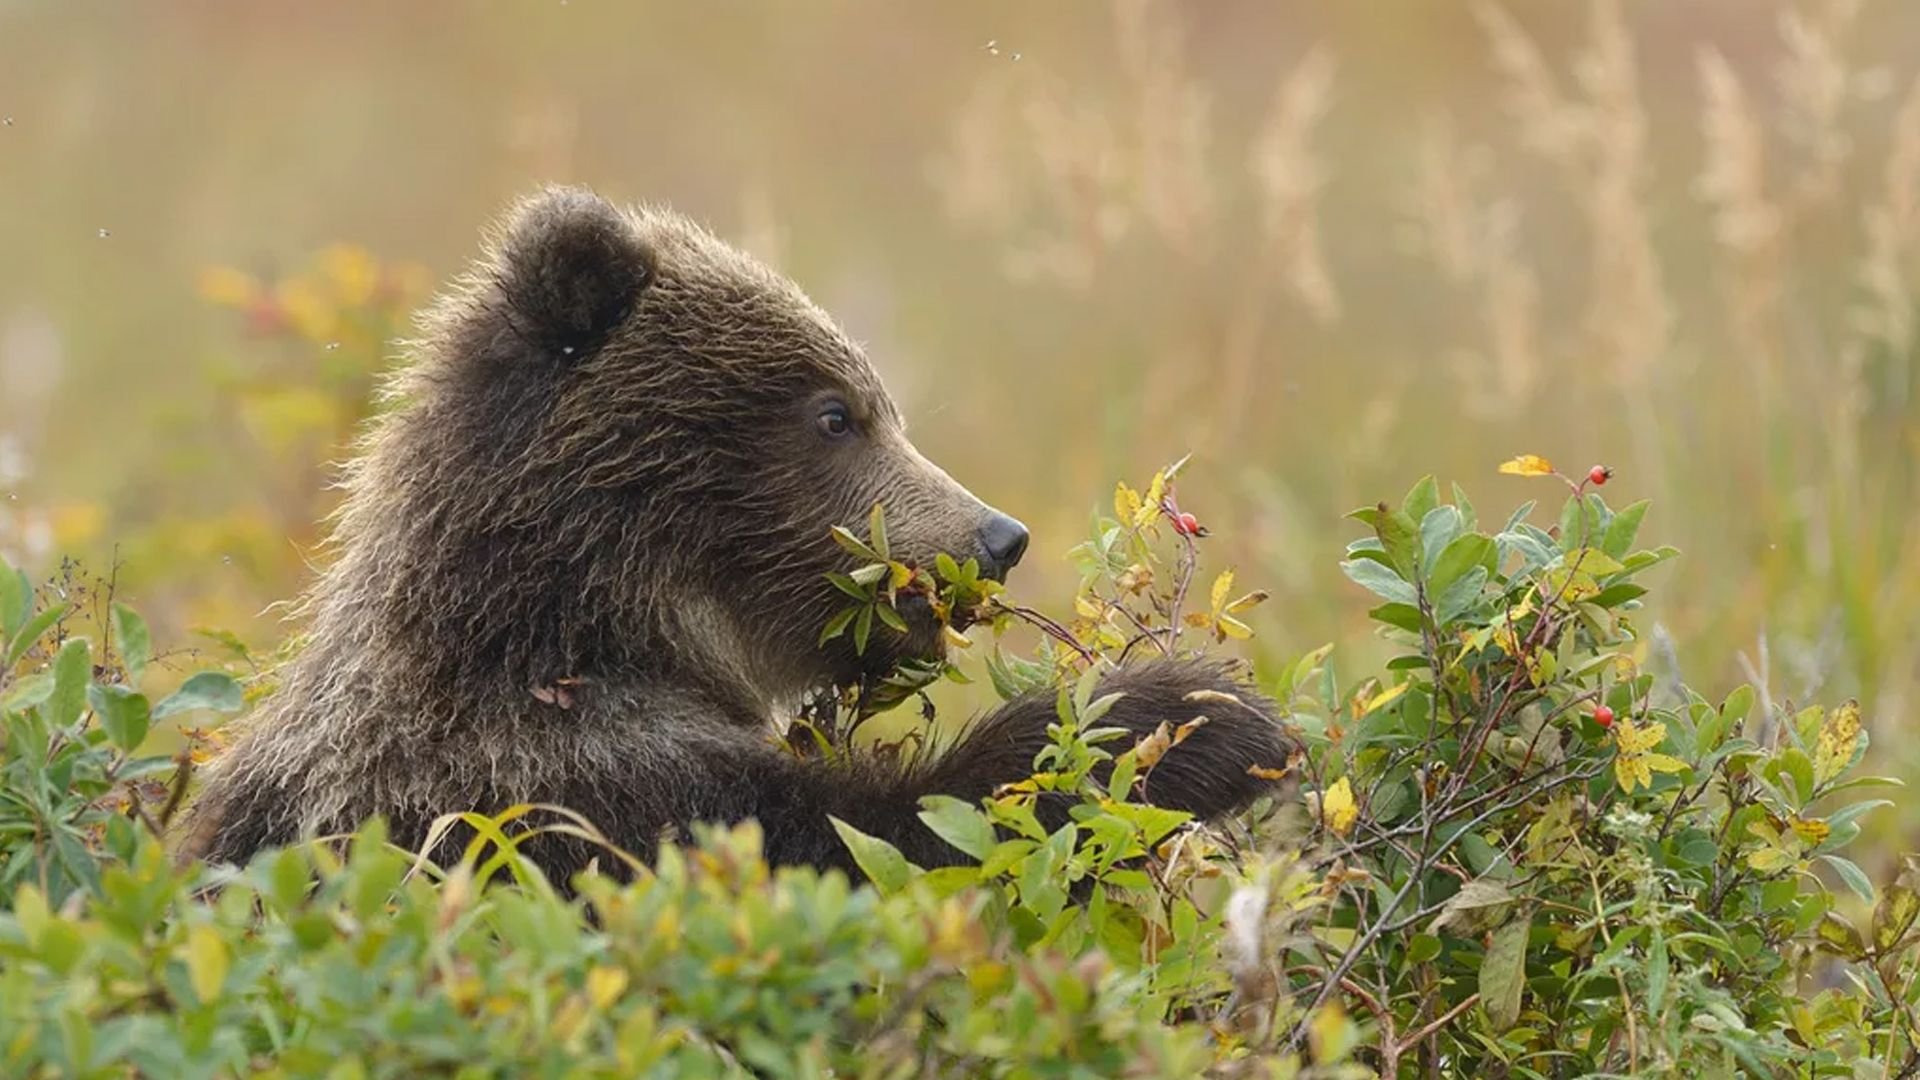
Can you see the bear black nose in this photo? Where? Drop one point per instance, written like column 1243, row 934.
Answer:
column 1005, row 540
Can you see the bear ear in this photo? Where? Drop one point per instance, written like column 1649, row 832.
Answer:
column 569, row 265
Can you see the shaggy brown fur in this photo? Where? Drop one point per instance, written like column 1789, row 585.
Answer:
column 606, row 465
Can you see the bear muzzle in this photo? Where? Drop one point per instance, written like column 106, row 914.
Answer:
column 1003, row 540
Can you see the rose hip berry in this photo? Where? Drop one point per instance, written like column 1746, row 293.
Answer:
column 1598, row 475
column 1186, row 524
column 1603, row 716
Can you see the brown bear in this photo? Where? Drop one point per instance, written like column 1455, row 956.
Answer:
column 582, row 562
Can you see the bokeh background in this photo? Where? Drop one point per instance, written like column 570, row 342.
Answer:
column 1326, row 247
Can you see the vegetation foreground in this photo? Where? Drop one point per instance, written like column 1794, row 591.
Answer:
column 1514, row 852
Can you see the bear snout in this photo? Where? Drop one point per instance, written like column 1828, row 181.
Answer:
column 1003, row 540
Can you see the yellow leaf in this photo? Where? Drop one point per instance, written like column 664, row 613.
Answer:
column 1126, row 502
column 227, row 287
column 1385, row 697
column 1148, row 751
column 1811, row 831
column 898, row 574
column 1338, row 809
column 1264, row 773
column 1570, row 585
column 353, row 272
column 1663, row 763
column 76, row 523
column 207, row 962
column 1839, row 736
column 281, row 417
column 1180, row 734
column 605, row 985
column 1528, row 465
column 1222, row 585
column 1631, row 769
column 1637, row 740
column 1331, row 1034
column 1150, row 505
column 1217, row 697
column 1768, row 859
column 1247, row 601
column 1226, row 626
column 312, row 313
column 1135, row 579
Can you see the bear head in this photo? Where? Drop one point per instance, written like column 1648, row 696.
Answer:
column 617, row 456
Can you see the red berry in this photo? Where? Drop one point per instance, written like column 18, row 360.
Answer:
column 1598, row 475
column 1603, row 716
column 1186, row 524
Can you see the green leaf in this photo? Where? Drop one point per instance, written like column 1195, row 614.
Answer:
column 123, row 714
column 16, row 600
column 862, row 629
column 1616, row 594
column 851, row 587
column 891, row 617
column 1379, row 580
column 1125, row 768
column 1853, row 810
column 959, row 823
column 1737, row 706
column 1403, row 616
column 838, row 624
column 1795, row 762
column 209, row 690
column 1851, row 874
column 72, row 672
column 1640, row 560
column 1700, row 851
column 1618, row 539
column 1468, row 518
column 1460, row 555
column 1658, row 970
column 31, row 633
column 877, row 529
column 1503, row 973
column 853, row 545
column 944, row 566
column 1439, row 528
column 1866, row 782
column 1399, row 536
column 1460, row 597
column 26, row 692
column 1422, row 948
column 1580, row 522
column 136, row 644
column 880, row 861
column 1421, row 500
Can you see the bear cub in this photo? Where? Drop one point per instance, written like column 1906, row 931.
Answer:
column 609, row 466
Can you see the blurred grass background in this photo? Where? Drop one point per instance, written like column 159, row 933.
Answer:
column 1327, row 247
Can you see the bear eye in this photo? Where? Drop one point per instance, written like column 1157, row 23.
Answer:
column 834, row 421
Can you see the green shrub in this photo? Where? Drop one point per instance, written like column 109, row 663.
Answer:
column 1518, row 853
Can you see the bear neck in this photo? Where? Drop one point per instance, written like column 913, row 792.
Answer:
column 394, row 636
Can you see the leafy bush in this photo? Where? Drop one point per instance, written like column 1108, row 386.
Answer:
column 1518, row 853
